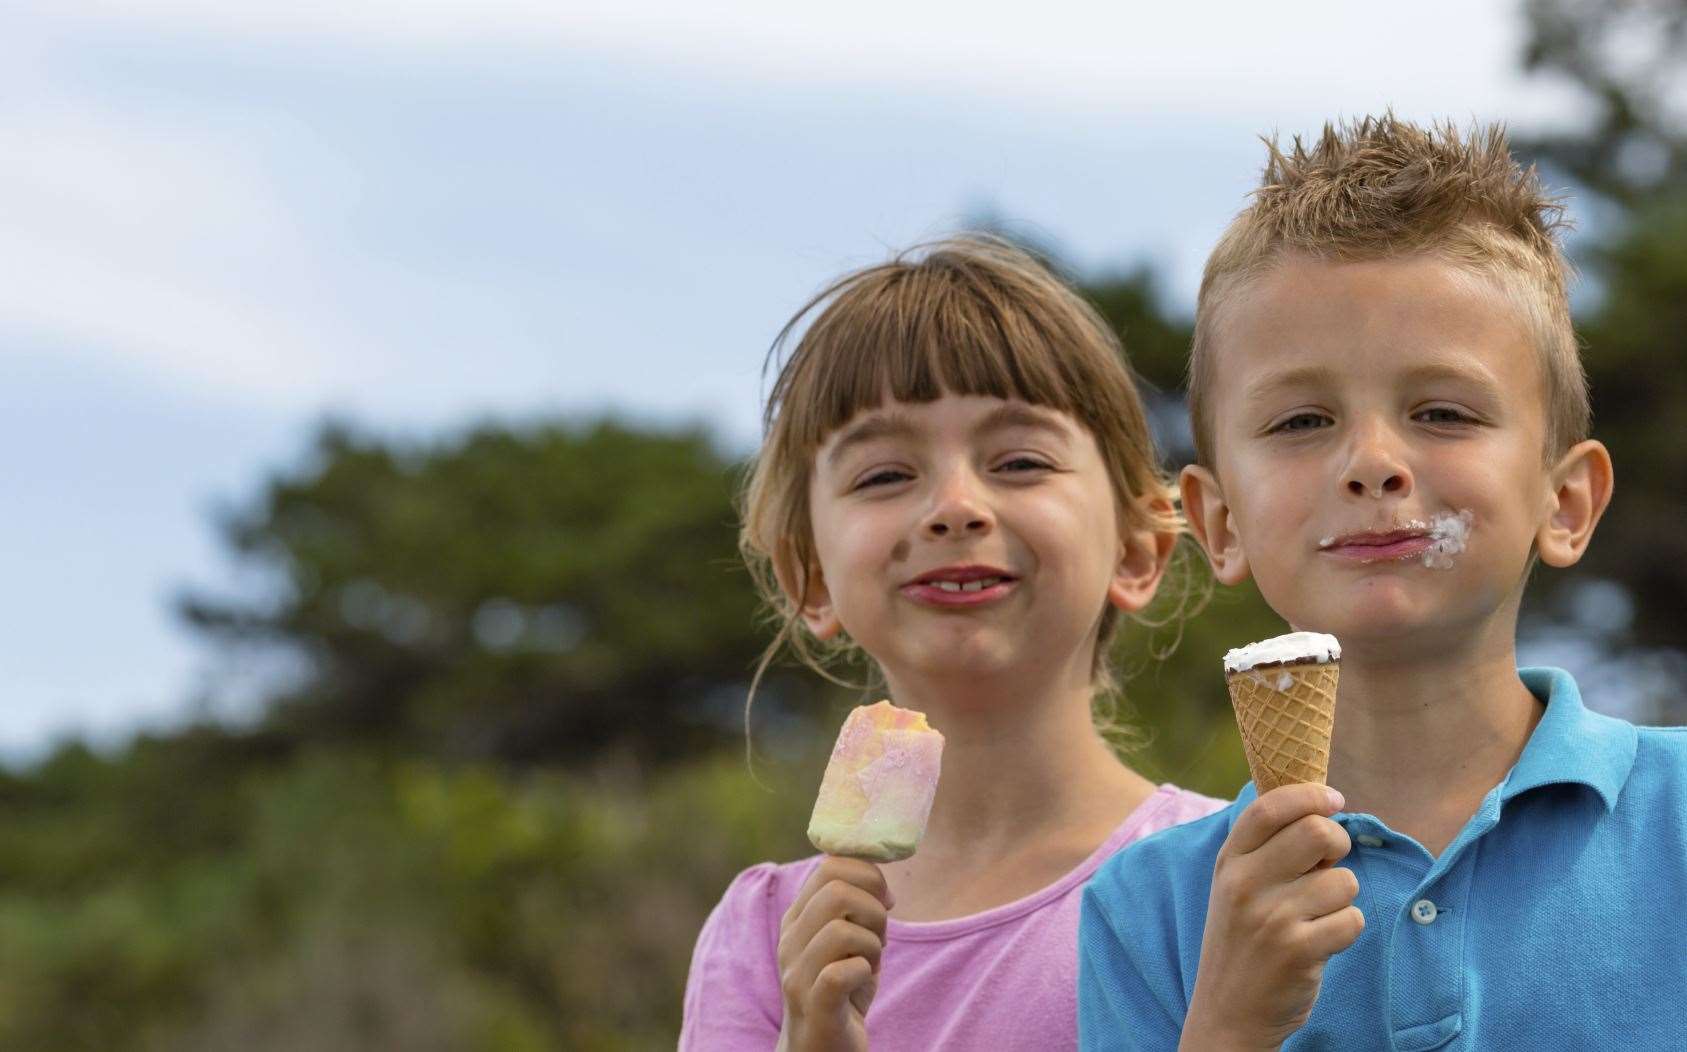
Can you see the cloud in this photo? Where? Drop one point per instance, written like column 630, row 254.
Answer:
column 1449, row 57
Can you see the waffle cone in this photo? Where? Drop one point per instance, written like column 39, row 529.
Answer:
column 1286, row 713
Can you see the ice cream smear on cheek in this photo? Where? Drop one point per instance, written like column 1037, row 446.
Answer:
column 1447, row 531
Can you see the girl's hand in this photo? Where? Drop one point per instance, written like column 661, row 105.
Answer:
column 830, row 941
column 1278, row 911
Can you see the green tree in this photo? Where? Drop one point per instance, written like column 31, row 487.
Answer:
column 518, row 593
column 1628, row 168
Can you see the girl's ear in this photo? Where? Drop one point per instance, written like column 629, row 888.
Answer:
column 1143, row 555
column 805, row 586
column 1209, row 519
column 1582, row 482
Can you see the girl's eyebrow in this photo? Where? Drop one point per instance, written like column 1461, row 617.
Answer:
column 890, row 424
column 879, row 425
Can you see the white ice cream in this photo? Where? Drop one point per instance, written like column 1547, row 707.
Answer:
column 1449, row 532
column 1293, row 648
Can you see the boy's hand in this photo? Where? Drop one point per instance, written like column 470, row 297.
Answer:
column 1278, row 910
column 830, row 941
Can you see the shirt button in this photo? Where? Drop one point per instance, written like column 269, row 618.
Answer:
column 1424, row 911
column 1368, row 840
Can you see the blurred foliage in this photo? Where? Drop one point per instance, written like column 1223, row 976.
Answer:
column 193, row 895
column 522, row 593
column 1628, row 61
column 1628, row 164
column 495, row 806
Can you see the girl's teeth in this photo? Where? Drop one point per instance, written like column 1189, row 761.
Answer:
column 971, row 586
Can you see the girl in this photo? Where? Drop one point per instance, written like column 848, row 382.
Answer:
column 958, row 479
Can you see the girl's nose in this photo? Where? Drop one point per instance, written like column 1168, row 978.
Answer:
column 958, row 510
column 1375, row 468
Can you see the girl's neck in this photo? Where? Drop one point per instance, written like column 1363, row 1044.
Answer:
column 1419, row 743
column 1029, row 789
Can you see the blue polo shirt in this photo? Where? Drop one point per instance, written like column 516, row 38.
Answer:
column 1556, row 919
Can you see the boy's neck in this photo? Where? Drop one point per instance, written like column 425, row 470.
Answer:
column 1420, row 743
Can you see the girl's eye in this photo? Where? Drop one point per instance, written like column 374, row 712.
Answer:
column 1303, row 422
column 1022, row 464
column 883, row 478
column 1443, row 414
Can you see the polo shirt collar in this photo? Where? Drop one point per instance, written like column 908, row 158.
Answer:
column 1571, row 745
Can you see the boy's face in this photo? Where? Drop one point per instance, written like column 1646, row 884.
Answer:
column 1379, row 432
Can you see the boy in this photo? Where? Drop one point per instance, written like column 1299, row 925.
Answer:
column 1383, row 360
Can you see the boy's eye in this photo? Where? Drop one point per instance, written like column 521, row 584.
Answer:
column 883, row 478
column 1443, row 414
column 1302, row 422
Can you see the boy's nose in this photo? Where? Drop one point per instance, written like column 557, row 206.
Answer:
column 1394, row 483
column 1375, row 470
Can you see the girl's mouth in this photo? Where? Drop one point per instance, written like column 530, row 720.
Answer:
column 960, row 586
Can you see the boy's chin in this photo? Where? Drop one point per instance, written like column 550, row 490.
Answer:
column 1390, row 636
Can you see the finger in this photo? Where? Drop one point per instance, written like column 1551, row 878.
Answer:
column 838, row 941
column 838, row 982
column 862, row 996
column 1335, row 933
column 1305, row 845
column 862, row 874
column 1323, row 892
column 1277, row 809
column 835, row 901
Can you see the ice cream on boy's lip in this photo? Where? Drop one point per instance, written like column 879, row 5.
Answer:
column 1435, row 541
column 878, row 787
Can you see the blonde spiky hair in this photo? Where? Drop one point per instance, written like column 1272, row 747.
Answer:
column 1382, row 188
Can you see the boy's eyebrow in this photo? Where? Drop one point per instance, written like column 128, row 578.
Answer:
column 891, row 424
column 1271, row 383
column 1314, row 375
column 1468, row 371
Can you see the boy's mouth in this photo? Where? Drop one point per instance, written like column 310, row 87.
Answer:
column 1371, row 546
column 1436, row 541
column 960, row 585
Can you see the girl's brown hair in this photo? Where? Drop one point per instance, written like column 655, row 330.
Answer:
column 967, row 315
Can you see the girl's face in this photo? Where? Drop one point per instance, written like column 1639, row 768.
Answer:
column 970, row 536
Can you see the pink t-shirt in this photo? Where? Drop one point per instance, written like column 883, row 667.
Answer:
column 1004, row 979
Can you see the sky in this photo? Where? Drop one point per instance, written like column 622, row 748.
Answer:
column 222, row 224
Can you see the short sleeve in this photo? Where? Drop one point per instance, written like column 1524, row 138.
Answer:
column 732, row 992
column 1129, row 993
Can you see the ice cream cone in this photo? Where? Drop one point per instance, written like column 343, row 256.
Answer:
column 1286, row 713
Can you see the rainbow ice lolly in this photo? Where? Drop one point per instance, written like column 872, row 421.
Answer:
column 878, row 787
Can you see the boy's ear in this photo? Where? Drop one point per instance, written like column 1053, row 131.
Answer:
column 806, row 587
column 1209, row 521
column 1143, row 556
column 1582, row 482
